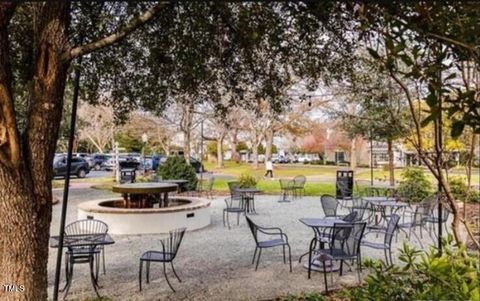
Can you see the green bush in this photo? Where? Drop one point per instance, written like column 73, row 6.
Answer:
column 415, row 185
column 247, row 181
column 422, row 275
column 177, row 168
column 474, row 196
column 458, row 187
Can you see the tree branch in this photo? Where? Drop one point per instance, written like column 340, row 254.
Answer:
column 12, row 153
column 132, row 25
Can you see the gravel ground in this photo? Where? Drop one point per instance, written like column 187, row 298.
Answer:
column 214, row 263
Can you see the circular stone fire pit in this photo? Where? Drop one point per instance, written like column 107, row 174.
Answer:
column 190, row 212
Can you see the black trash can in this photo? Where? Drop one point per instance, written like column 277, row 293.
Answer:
column 344, row 184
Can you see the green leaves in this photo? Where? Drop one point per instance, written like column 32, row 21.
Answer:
column 457, row 128
column 422, row 276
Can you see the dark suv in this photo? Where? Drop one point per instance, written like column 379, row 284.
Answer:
column 79, row 167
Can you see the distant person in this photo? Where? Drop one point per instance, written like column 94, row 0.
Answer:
column 269, row 168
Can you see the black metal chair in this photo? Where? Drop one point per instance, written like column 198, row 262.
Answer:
column 233, row 206
column 351, row 217
column 387, row 241
column 170, row 246
column 299, row 185
column 329, row 205
column 418, row 220
column 233, row 186
column 344, row 245
column 205, row 187
column 80, row 254
column 280, row 240
column 288, row 189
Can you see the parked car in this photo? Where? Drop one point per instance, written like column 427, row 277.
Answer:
column 79, row 166
column 99, row 159
column 303, row 159
column 87, row 158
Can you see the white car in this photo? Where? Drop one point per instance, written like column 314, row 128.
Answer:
column 303, row 159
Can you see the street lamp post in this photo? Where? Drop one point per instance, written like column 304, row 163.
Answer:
column 144, row 140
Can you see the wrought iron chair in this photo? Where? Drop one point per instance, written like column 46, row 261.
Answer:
column 299, row 185
column 345, row 245
column 288, row 189
column 433, row 219
column 233, row 186
column 329, row 205
column 280, row 240
column 170, row 246
column 233, row 206
column 387, row 241
column 205, row 187
column 87, row 254
column 418, row 219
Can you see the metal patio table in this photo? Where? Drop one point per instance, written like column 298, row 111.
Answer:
column 318, row 225
column 144, row 195
column 82, row 240
column 248, row 197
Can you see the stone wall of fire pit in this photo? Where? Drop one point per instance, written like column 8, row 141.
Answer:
column 190, row 212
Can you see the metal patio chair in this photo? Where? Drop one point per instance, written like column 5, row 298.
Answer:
column 170, row 246
column 387, row 240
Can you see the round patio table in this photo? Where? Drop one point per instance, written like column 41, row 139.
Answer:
column 144, row 195
column 385, row 206
column 248, row 197
column 318, row 225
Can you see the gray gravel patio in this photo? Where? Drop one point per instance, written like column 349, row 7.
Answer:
column 214, row 263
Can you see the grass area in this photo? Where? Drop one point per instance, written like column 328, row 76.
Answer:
column 58, row 183
column 273, row 187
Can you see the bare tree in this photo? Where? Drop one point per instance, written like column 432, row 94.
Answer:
column 97, row 125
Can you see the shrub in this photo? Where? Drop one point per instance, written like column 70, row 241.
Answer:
column 176, row 167
column 422, row 275
column 474, row 196
column 458, row 187
column 247, row 181
column 415, row 185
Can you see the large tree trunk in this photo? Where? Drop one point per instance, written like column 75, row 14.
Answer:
column 255, row 155
column 268, row 144
column 391, row 164
column 220, row 152
column 235, row 154
column 25, row 187
column 353, row 153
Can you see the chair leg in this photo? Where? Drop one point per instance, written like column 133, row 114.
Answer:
column 341, row 267
column 92, row 277
column 390, row 255
column 228, row 221
column 148, row 271
column 174, row 272
column 70, row 277
column 223, row 217
column 284, row 259
column 238, row 219
column 258, row 258
column 166, row 277
column 386, row 257
column 66, row 273
column 325, row 276
column 290, row 257
column 140, row 275
column 254, row 255
column 103, row 259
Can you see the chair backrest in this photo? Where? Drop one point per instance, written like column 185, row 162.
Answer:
column 232, row 186
column 347, row 237
column 253, row 228
column 233, row 203
column 422, row 212
column 299, row 181
column 329, row 205
column 391, row 226
column 286, row 184
column 360, row 209
column 172, row 243
column 86, row 226
column 210, row 183
column 345, row 192
column 351, row 217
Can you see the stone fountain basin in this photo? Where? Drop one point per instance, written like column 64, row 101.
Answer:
column 190, row 212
